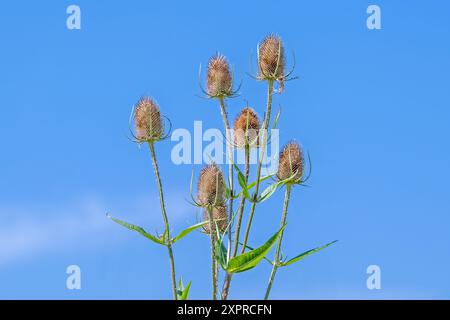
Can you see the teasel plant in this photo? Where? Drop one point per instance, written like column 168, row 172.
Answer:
column 221, row 222
column 271, row 68
column 219, row 86
column 246, row 136
column 149, row 128
column 211, row 198
column 291, row 172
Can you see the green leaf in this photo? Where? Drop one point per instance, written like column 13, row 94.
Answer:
column 269, row 191
column 221, row 254
column 182, row 292
column 188, row 230
column 245, row 191
column 246, row 195
column 137, row 229
column 180, row 286
column 277, row 118
column 305, row 254
column 241, row 177
column 249, row 260
column 251, row 185
column 185, row 294
column 251, row 248
column 220, row 250
column 242, row 181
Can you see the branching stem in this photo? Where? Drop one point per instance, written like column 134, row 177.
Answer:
column 168, row 239
column 263, row 147
column 226, row 125
column 214, row 268
column 228, row 277
column 276, row 261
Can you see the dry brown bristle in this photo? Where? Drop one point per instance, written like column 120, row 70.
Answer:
column 211, row 186
column 291, row 162
column 271, row 58
column 147, row 119
column 219, row 216
column 219, row 80
column 246, row 128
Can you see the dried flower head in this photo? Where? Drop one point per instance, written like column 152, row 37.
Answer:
column 211, row 186
column 246, row 128
column 148, row 122
column 219, row 216
column 291, row 162
column 271, row 58
column 219, row 80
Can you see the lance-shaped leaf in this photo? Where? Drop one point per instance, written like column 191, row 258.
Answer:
column 251, row 185
column 246, row 187
column 269, row 191
column 277, row 118
column 188, row 230
column 251, row 248
column 305, row 254
column 249, row 260
column 275, row 124
column 137, row 229
column 185, row 293
column 182, row 292
column 241, row 177
column 221, row 254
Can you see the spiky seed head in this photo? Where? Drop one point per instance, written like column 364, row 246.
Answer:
column 246, row 128
column 291, row 162
column 219, row 216
column 219, row 80
column 271, row 58
column 148, row 122
column 211, row 186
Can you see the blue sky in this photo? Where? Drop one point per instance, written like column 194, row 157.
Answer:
column 370, row 106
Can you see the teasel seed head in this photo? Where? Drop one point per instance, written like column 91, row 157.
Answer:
column 291, row 162
column 271, row 59
column 246, row 128
column 148, row 122
column 211, row 186
column 220, row 217
column 219, row 79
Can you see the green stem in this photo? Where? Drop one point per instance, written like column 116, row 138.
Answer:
column 242, row 203
column 227, row 283
column 263, row 146
column 278, row 250
column 226, row 125
column 214, row 266
column 166, row 220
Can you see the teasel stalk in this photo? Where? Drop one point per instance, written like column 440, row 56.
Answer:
column 149, row 128
column 230, row 162
column 291, row 164
column 214, row 265
column 211, row 197
column 246, row 129
column 271, row 64
column 220, row 86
